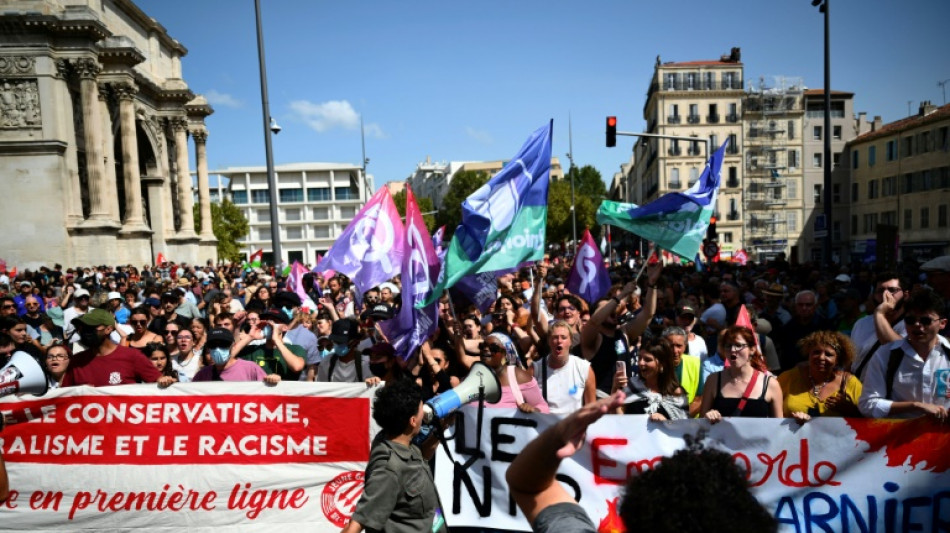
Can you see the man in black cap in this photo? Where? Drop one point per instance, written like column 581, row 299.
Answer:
column 345, row 364
column 104, row 362
column 225, row 366
column 274, row 356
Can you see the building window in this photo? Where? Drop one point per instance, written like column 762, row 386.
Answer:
column 726, row 237
column 924, row 217
column 733, row 145
column 713, row 117
column 675, row 178
column 263, row 215
column 872, row 189
column 854, row 158
column 854, row 192
column 891, row 150
column 674, row 117
column 816, row 194
column 836, row 193
column 889, row 218
column 942, row 216
column 321, row 213
column 347, row 212
column 669, row 82
column 713, row 143
column 835, row 159
column 709, row 81
column 263, row 234
column 791, row 129
column 321, row 232
column 870, row 223
column 854, row 223
column 320, row 194
column 693, row 117
column 239, row 197
column 294, row 232
column 793, row 159
column 907, row 147
column 693, row 176
column 908, row 219
column 836, row 132
column 816, row 133
column 733, row 180
column 923, row 146
column 692, row 80
column 792, row 221
column 733, row 113
column 345, row 193
column 292, row 215
column 836, row 230
column 260, row 196
column 291, row 195
column 816, row 160
column 791, row 188
column 872, row 155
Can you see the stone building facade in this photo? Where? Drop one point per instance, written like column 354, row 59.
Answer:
column 94, row 126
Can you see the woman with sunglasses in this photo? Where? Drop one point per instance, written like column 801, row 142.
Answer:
column 743, row 388
column 141, row 336
column 821, row 386
column 518, row 388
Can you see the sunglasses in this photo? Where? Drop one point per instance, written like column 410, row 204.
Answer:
column 922, row 320
column 492, row 348
column 138, row 322
column 171, row 332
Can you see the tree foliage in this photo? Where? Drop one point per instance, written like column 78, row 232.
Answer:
column 229, row 226
column 425, row 206
column 560, row 224
column 463, row 185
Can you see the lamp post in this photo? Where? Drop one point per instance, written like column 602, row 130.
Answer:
column 270, row 126
column 570, row 157
column 826, row 187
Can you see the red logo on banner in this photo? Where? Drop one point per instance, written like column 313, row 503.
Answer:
column 340, row 497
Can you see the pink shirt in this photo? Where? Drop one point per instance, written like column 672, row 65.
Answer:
column 241, row 370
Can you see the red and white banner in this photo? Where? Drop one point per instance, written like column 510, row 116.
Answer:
column 832, row 474
column 203, row 456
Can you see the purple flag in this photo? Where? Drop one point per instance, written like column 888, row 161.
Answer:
column 482, row 289
column 420, row 268
column 589, row 278
column 371, row 248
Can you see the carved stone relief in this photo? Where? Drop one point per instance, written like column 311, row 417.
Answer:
column 17, row 65
column 19, row 104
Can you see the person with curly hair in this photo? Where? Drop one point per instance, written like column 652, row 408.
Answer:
column 823, row 384
column 399, row 491
column 667, row 499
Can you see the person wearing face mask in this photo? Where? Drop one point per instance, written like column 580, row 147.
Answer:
column 383, row 363
column 345, row 364
column 226, row 367
column 104, row 362
column 275, row 355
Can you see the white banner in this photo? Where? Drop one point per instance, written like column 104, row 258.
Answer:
column 832, row 474
column 195, row 457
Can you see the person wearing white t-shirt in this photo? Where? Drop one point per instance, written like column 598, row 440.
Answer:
column 567, row 381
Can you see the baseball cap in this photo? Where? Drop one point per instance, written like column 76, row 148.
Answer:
column 114, row 296
column 80, row 293
column 843, row 278
column 171, row 295
column 154, row 302
column 382, row 348
column 378, row 312
column 344, row 330
column 685, row 310
column 96, row 317
column 220, row 336
column 26, row 284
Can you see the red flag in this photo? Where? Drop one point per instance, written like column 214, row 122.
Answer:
column 12, row 274
column 160, row 259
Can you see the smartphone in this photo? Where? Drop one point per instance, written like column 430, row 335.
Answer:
column 622, row 366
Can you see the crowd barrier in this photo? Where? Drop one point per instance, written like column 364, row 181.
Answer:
column 250, row 457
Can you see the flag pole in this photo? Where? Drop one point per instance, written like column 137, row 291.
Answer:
column 646, row 261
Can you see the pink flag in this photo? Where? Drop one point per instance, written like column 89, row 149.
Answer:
column 295, row 281
column 327, row 274
column 743, row 319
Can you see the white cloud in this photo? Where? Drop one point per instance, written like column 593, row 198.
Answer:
column 222, row 99
column 334, row 114
column 481, row 136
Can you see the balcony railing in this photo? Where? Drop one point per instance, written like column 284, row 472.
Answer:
column 673, row 119
column 675, row 184
column 712, row 119
column 732, row 117
column 675, row 151
column 692, row 119
column 732, row 149
column 694, row 151
column 734, row 215
column 732, row 183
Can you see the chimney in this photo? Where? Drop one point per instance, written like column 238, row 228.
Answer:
column 877, row 123
column 926, row 108
column 862, row 124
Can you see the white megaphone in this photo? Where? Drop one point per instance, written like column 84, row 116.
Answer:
column 481, row 380
column 22, row 374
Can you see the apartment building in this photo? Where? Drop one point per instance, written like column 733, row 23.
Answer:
column 772, row 121
column 702, row 100
column 899, row 178
column 315, row 203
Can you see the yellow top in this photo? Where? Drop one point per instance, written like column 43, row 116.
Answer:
column 798, row 397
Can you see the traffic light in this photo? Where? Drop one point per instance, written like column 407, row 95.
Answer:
column 611, row 132
column 711, row 232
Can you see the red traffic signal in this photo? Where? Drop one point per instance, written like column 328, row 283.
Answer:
column 611, row 132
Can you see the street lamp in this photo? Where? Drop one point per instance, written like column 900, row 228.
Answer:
column 270, row 126
column 826, row 197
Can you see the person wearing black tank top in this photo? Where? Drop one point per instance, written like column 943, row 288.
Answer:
column 744, row 387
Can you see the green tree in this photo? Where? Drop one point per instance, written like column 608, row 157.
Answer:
column 463, row 185
column 587, row 182
column 560, row 224
column 229, row 226
column 425, row 206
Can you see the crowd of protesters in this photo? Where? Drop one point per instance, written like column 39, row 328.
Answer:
column 769, row 340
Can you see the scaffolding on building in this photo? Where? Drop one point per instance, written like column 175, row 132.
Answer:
column 770, row 114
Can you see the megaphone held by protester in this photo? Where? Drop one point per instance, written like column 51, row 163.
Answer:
column 480, row 376
column 22, row 374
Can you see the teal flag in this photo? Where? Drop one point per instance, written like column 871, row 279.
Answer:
column 675, row 222
column 503, row 222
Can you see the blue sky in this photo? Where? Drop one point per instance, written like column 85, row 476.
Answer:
column 471, row 80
